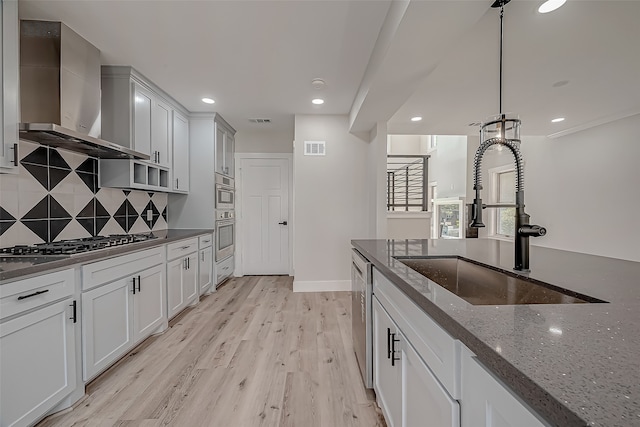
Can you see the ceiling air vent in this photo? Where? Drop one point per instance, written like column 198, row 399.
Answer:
column 475, row 124
column 260, row 121
column 314, row 148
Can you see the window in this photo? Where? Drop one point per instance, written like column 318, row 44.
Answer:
column 505, row 192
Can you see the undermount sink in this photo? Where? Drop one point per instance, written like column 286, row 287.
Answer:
column 480, row 285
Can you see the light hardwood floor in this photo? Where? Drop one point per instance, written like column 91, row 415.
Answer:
column 251, row 354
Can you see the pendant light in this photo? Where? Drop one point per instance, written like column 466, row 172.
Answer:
column 501, row 127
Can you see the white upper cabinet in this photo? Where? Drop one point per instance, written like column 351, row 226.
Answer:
column 9, row 73
column 161, row 116
column 225, row 148
column 141, row 118
column 139, row 115
column 180, row 153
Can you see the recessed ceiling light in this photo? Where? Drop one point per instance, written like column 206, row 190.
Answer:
column 416, row 119
column 559, row 119
column 318, row 84
column 550, row 5
column 317, row 101
column 208, row 101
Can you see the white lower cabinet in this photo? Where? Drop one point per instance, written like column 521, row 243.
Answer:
column 487, row 403
column 182, row 275
column 106, row 325
column 423, row 397
column 407, row 391
column 37, row 349
column 118, row 314
column 387, row 367
column 182, row 283
column 148, row 302
column 205, row 264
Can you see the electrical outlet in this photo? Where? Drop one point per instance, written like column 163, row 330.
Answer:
column 149, row 215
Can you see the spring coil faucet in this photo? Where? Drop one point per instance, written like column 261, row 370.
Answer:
column 523, row 229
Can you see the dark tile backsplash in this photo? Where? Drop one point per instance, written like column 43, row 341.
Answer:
column 55, row 196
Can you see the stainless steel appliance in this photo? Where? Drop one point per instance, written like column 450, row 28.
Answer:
column 225, row 192
column 225, row 234
column 361, row 317
column 60, row 91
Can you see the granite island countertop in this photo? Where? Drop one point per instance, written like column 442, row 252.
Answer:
column 574, row 364
column 16, row 269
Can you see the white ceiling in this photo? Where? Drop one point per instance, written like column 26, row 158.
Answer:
column 594, row 45
column 436, row 59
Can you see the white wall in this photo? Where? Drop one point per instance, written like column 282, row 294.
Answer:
column 583, row 187
column 264, row 141
column 330, row 202
column 448, row 166
column 377, row 175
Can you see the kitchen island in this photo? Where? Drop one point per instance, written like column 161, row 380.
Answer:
column 573, row 364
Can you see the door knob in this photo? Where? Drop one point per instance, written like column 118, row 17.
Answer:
column 283, row 223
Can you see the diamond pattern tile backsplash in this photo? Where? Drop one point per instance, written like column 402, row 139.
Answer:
column 55, row 196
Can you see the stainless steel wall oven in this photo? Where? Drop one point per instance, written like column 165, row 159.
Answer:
column 225, row 234
column 225, row 192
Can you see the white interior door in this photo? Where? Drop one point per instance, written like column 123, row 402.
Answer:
column 265, row 215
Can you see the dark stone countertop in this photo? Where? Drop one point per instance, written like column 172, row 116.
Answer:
column 574, row 364
column 16, row 269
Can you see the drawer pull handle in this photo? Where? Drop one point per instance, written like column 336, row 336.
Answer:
column 74, row 313
column 32, row 295
column 185, row 247
column 15, row 154
column 393, row 349
column 139, row 283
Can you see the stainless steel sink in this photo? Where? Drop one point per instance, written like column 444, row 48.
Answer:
column 480, row 285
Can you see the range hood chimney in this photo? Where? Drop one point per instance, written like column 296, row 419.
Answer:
column 60, row 91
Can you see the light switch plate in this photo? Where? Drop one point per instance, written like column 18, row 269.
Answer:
column 149, row 215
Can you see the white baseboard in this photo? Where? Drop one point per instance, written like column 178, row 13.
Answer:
column 321, row 286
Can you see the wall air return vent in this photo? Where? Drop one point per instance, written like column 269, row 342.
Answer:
column 314, row 148
column 260, row 121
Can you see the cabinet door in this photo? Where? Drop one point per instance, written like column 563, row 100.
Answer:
column 148, row 302
column 387, row 377
column 142, row 106
column 423, row 398
column 161, row 133
column 9, row 30
column 204, row 269
column 229, row 150
column 37, row 361
column 190, row 279
column 180, row 153
column 220, row 135
column 175, row 295
column 487, row 403
column 106, row 325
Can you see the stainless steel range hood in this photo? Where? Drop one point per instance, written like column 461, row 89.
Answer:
column 60, row 91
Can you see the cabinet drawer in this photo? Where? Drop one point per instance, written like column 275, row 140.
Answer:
column 181, row 248
column 205, row 241
column 439, row 350
column 111, row 269
column 224, row 269
column 27, row 294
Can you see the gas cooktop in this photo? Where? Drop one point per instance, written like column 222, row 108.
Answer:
column 76, row 246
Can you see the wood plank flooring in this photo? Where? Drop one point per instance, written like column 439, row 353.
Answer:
column 251, row 354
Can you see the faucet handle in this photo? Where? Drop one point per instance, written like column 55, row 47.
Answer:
column 532, row 231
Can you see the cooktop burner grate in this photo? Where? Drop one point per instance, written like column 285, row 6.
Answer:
column 75, row 246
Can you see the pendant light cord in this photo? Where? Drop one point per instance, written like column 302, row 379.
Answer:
column 501, row 32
